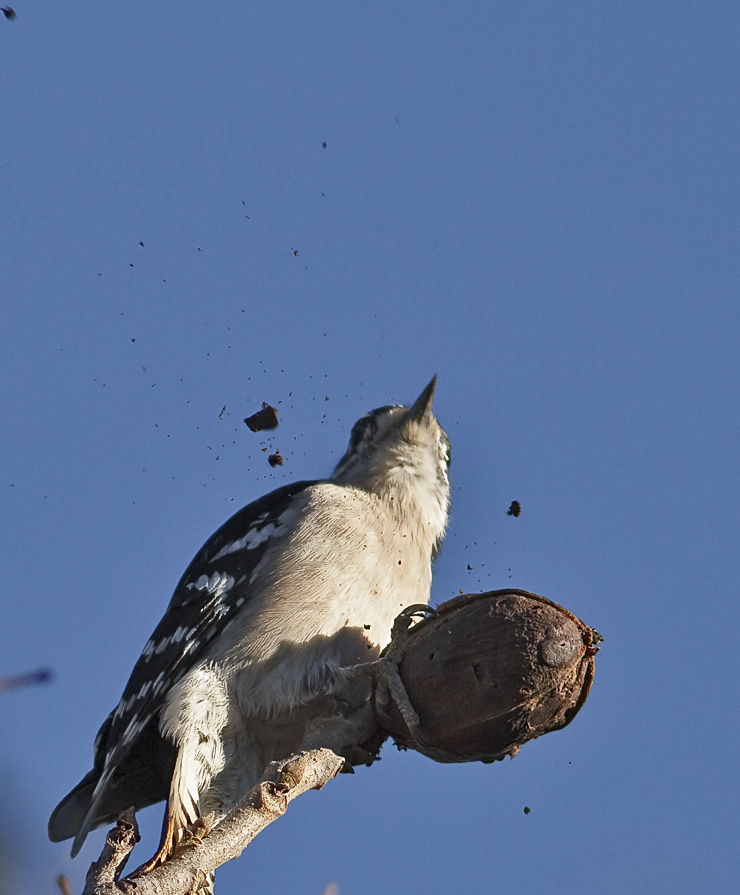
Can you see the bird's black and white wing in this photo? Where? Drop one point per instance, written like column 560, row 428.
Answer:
column 133, row 762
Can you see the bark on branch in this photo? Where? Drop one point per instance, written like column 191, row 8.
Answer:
column 193, row 861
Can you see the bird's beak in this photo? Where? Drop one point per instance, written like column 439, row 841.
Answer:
column 422, row 406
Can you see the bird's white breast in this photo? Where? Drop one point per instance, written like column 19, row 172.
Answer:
column 324, row 595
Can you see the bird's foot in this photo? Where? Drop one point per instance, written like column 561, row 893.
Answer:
column 400, row 630
column 198, row 830
column 388, row 684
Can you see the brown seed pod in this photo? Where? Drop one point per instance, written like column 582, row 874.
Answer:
column 489, row 672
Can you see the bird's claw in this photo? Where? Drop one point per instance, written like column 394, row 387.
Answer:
column 400, row 630
column 196, row 833
column 388, row 677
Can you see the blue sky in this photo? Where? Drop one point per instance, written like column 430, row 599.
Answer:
column 540, row 203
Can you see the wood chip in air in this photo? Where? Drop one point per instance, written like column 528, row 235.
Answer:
column 267, row 418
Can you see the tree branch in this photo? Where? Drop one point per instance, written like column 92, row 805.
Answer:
column 193, row 861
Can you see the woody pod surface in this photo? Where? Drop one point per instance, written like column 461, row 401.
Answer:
column 487, row 672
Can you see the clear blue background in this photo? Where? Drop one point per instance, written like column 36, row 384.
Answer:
column 537, row 201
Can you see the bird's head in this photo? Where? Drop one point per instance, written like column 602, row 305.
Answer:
column 402, row 454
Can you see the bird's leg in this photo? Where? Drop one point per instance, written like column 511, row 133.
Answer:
column 388, row 680
column 165, row 844
column 385, row 673
column 192, row 835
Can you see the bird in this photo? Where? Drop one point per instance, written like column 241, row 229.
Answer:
column 275, row 609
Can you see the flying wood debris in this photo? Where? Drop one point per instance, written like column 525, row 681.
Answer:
column 515, row 508
column 8, row 12
column 276, row 459
column 267, row 418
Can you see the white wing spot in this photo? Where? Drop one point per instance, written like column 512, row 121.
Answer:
column 217, row 584
column 220, row 586
column 158, row 683
column 253, row 538
column 133, row 729
column 220, row 583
